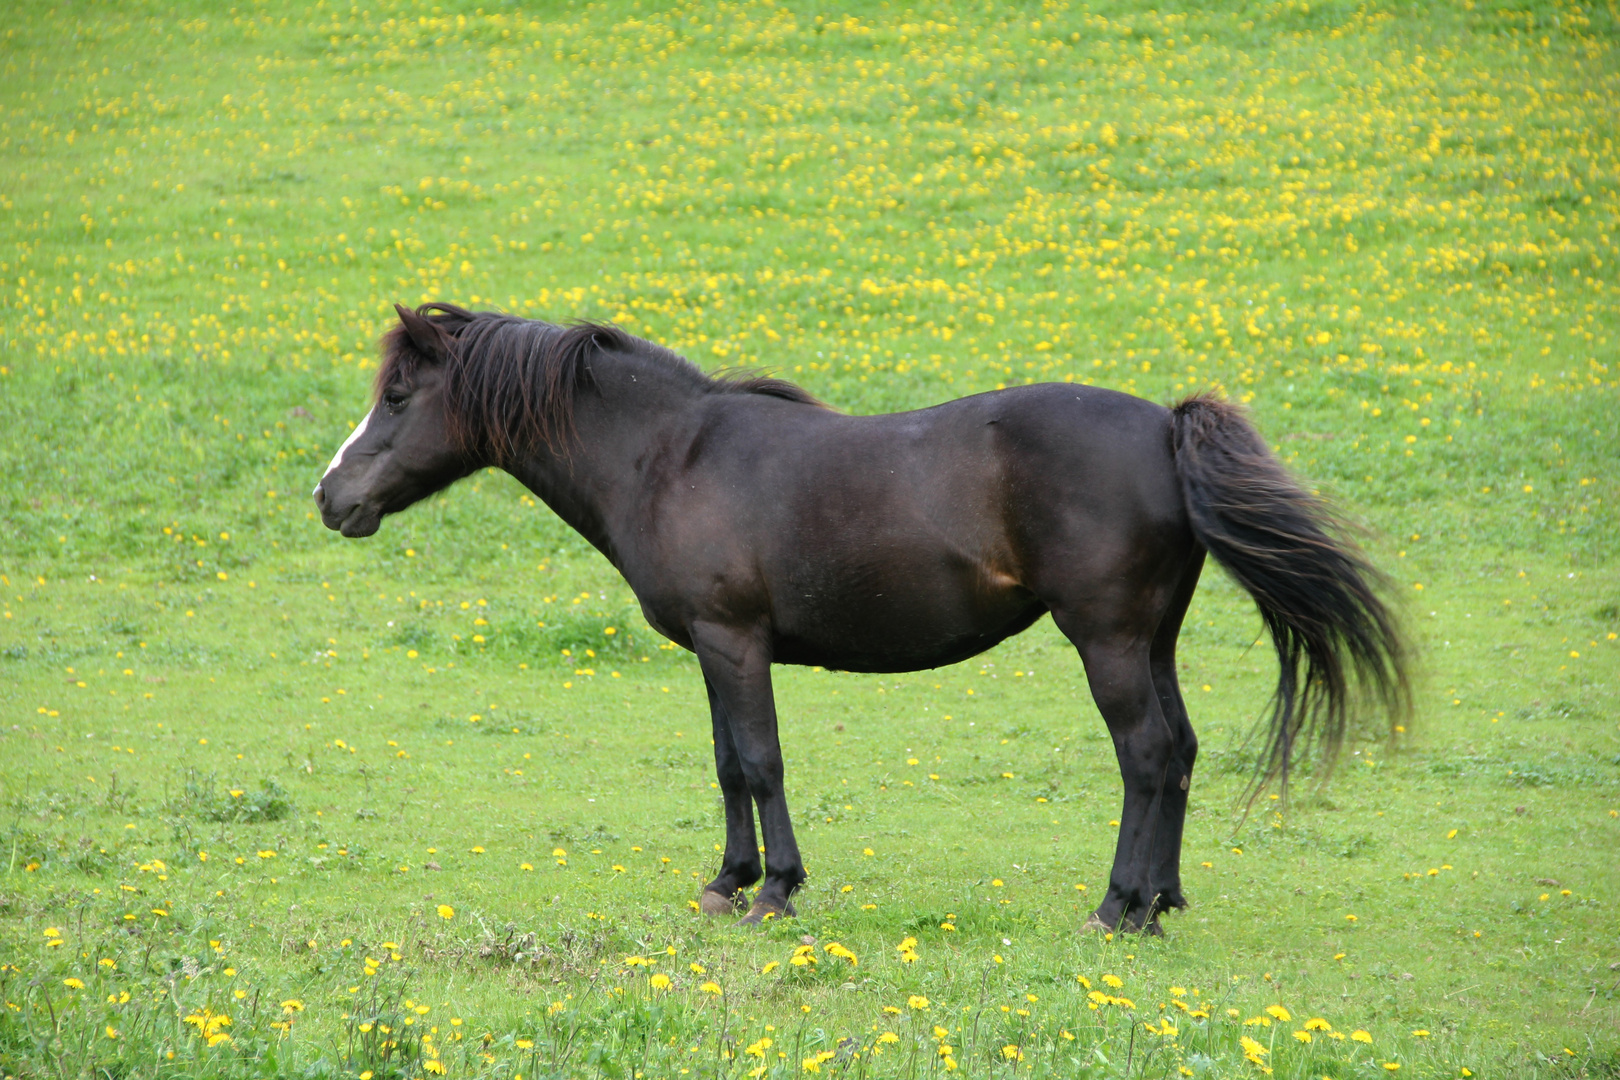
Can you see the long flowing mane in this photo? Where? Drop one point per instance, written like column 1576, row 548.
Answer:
column 511, row 383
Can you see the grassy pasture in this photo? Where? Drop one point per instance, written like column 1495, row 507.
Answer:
column 273, row 803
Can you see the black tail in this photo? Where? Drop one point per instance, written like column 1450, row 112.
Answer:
column 1315, row 591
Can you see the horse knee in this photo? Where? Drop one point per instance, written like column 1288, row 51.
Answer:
column 764, row 772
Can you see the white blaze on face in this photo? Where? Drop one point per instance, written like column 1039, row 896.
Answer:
column 337, row 458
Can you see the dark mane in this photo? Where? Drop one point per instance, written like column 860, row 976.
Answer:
column 511, row 383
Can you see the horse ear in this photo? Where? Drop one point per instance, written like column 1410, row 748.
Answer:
column 429, row 339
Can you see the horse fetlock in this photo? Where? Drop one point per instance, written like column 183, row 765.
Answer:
column 1125, row 912
column 1139, row 922
column 1172, row 899
column 736, row 876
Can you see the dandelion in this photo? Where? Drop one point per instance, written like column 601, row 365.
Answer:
column 833, row 948
column 1279, row 1013
column 73, row 984
column 446, row 911
column 1360, row 1037
column 770, row 967
column 659, row 981
column 710, row 988
column 917, row 1002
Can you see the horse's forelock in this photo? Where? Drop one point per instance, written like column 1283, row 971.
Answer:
column 399, row 360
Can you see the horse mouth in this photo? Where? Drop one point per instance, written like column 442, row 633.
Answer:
column 359, row 522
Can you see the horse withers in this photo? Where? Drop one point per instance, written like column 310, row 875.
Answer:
column 758, row 526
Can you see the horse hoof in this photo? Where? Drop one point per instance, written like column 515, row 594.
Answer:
column 715, row 903
column 1095, row 925
column 762, row 911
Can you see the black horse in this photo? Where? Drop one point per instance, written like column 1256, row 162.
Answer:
column 758, row 526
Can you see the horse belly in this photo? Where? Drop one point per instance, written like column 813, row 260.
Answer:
column 900, row 621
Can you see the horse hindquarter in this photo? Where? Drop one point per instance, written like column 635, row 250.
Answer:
column 1109, row 550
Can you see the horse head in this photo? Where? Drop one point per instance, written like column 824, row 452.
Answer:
column 404, row 449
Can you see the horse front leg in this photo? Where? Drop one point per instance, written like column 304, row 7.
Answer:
column 739, row 868
column 737, row 664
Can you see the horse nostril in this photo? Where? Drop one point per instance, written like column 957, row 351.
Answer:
column 320, row 497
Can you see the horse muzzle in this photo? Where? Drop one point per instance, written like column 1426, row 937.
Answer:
column 353, row 520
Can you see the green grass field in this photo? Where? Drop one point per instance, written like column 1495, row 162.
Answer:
column 273, row 803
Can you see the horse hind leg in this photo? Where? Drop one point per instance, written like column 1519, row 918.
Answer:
column 1166, row 873
column 1118, row 668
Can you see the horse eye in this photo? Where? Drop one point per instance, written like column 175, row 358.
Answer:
column 395, row 402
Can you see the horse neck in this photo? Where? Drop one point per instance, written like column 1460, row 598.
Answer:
column 631, row 407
